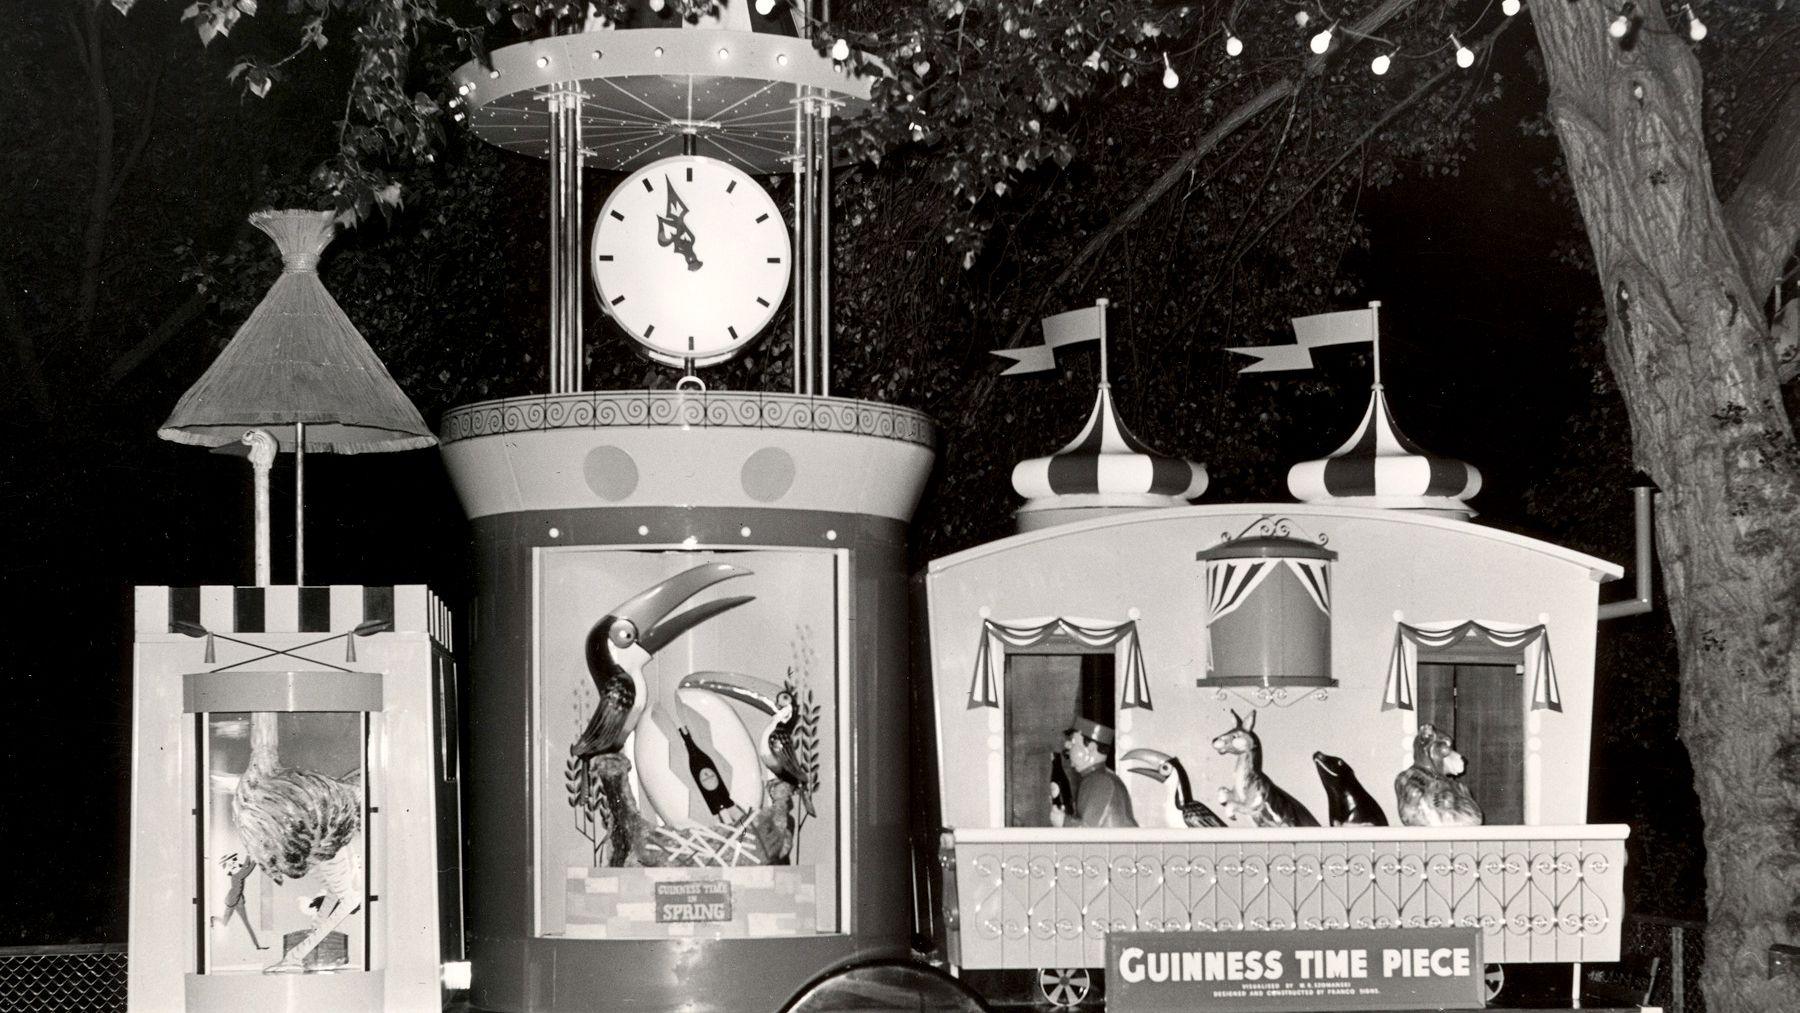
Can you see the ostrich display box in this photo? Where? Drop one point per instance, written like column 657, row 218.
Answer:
column 294, row 799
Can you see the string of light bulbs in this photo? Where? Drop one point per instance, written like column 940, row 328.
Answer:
column 1622, row 27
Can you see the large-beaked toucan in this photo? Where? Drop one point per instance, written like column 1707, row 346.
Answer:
column 622, row 642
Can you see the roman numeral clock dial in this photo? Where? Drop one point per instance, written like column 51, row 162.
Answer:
column 692, row 258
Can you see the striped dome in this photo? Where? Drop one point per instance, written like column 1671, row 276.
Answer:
column 1380, row 467
column 1106, row 468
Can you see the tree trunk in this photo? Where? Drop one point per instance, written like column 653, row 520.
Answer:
column 1691, row 352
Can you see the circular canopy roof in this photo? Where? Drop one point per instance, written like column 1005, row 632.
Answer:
column 1380, row 467
column 643, row 89
column 1107, row 464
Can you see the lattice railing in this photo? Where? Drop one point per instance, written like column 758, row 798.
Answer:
column 1047, row 898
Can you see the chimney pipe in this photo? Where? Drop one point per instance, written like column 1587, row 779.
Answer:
column 1642, row 603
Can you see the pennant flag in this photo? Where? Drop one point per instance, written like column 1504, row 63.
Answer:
column 1347, row 328
column 1073, row 327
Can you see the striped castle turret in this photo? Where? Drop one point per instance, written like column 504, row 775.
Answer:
column 1380, row 467
column 1104, row 470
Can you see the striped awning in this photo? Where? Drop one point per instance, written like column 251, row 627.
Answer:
column 1380, row 467
column 1107, row 462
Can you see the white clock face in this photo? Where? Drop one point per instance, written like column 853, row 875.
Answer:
column 692, row 258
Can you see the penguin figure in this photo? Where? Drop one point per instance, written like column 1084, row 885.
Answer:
column 1347, row 802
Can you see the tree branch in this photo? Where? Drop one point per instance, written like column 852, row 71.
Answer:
column 171, row 325
column 1763, row 215
column 1370, row 24
column 31, row 367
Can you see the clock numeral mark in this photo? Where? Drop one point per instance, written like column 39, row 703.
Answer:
column 762, row 301
column 690, row 342
column 731, row 186
column 618, row 216
column 733, row 331
column 772, row 260
column 649, row 329
column 647, row 187
column 690, row 174
column 618, row 299
column 762, row 218
column 606, row 256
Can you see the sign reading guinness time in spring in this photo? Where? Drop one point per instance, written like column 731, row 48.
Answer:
column 703, row 901
column 1390, row 969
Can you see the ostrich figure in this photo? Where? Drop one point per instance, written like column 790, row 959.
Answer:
column 295, row 821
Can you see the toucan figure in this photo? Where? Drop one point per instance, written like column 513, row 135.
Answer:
column 775, row 746
column 1180, row 809
column 625, row 639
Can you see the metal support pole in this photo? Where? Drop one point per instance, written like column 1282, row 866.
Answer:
column 1677, row 971
column 565, row 242
column 299, row 503
column 808, row 222
column 800, row 227
column 825, row 249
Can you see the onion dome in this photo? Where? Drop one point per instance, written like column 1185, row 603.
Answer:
column 1380, row 467
column 299, row 359
column 1104, row 470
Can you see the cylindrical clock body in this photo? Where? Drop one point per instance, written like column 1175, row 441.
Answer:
column 768, row 532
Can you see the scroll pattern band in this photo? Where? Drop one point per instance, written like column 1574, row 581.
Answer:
column 707, row 409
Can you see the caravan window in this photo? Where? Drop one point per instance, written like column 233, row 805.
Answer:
column 1047, row 687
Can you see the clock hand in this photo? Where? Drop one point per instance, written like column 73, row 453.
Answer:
column 672, row 227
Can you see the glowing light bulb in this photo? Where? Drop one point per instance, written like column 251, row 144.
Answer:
column 1380, row 64
column 763, row 7
column 1321, row 42
column 657, row 5
column 1465, row 57
column 543, row 61
column 724, row 54
column 1234, row 46
column 494, row 74
column 462, row 89
column 1170, row 78
column 840, row 50
column 1621, row 25
column 657, row 52
column 781, row 59
column 1696, row 27
column 1510, row 7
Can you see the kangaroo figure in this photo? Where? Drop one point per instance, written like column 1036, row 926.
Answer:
column 1253, row 796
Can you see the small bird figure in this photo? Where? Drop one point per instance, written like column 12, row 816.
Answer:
column 1347, row 802
column 1252, row 794
column 1180, row 807
column 1425, row 793
column 776, row 749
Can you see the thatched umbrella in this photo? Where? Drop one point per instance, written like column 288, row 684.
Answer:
column 299, row 365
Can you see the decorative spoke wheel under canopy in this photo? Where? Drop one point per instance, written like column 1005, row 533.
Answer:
column 1064, row 987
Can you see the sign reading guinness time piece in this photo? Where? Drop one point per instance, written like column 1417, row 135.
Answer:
column 1390, row 969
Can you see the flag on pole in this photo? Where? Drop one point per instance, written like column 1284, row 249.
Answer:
column 1073, row 327
column 1347, row 328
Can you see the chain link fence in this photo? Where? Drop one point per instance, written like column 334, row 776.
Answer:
column 87, row 978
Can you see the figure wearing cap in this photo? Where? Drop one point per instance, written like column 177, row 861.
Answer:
column 1101, row 798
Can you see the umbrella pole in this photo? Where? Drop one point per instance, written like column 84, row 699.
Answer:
column 262, row 458
column 299, row 503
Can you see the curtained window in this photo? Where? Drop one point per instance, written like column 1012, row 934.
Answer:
column 1532, row 641
column 997, row 636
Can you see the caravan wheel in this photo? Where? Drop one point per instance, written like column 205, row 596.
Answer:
column 1064, row 987
column 1494, row 975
